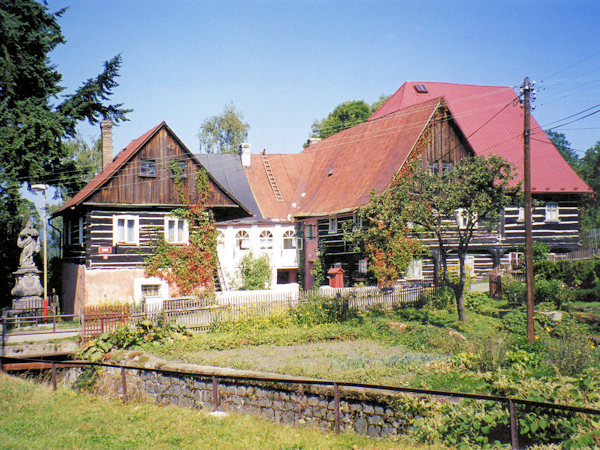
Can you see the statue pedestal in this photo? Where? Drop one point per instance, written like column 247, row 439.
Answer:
column 28, row 289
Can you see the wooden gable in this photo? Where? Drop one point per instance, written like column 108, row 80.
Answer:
column 146, row 179
column 442, row 143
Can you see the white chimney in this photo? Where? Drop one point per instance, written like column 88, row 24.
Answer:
column 312, row 140
column 245, row 154
column 107, row 146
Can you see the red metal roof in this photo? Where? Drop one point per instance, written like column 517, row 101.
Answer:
column 350, row 164
column 288, row 170
column 492, row 120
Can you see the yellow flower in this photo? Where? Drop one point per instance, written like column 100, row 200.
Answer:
column 537, row 337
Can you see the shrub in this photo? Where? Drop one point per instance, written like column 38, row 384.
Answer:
column 442, row 299
column 320, row 310
column 127, row 337
column 515, row 292
column 255, row 272
column 552, row 291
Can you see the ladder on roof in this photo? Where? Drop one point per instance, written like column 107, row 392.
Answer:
column 271, row 177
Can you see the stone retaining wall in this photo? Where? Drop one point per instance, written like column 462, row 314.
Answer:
column 365, row 411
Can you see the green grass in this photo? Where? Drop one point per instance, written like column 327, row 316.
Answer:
column 33, row 416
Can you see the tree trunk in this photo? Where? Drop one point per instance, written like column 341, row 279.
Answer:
column 460, row 305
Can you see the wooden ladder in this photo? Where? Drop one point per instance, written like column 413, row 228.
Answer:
column 271, row 177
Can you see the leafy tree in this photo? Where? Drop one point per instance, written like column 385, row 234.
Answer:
column 385, row 235
column 88, row 159
column 36, row 118
column 345, row 115
column 255, row 272
column 564, row 148
column 589, row 170
column 223, row 133
column 451, row 205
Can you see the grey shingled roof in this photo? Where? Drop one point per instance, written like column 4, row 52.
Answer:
column 228, row 171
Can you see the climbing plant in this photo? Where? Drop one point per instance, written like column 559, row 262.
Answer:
column 190, row 266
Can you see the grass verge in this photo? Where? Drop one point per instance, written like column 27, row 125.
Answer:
column 36, row 417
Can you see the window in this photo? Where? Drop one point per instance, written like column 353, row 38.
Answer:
column 266, row 240
column 435, row 168
column 147, row 168
column 309, row 231
column 125, row 230
column 358, row 221
column 462, row 219
column 470, row 265
column 242, row 240
column 332, row 225
column 551, row 212
column 289, row 243
column 151, row 290
column 415, row 269
column 176, row 230
column 220, row 241
column 299, row 243
column 362, row 266
column 180, row 171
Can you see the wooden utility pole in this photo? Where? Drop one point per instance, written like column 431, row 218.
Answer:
column 528, row 231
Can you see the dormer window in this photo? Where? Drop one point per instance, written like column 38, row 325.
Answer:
column 147, row 168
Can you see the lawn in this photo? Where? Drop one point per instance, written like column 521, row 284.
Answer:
column 33, row 416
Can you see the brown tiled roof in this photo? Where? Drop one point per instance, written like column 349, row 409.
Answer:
column 349, row 165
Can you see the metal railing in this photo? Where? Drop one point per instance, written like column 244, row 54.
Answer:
column 510, row 402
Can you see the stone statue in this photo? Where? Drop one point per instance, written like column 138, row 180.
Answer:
column 29, row 241
column 28, row 289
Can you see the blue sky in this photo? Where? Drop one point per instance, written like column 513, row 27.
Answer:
column 286, row 63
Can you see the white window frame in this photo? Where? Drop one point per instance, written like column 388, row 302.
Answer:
column 136, row 229
column 184, row 238
column 363, row 266
column 242, row 240
column 415, row 269
column 470, row 265
column 333, row 225
column 289, row 236
column 552, row 212
column 461, row 219
column 266, row 240
column 358, row 222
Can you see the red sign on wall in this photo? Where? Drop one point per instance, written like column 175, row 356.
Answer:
column 104, row 250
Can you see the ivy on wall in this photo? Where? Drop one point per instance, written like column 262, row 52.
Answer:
column 190, row 267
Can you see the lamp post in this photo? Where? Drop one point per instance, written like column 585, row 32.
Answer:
column 44, row 187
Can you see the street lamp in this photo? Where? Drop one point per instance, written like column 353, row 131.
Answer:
column 44, row 187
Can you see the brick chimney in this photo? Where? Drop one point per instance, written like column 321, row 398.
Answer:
column 245, row 154
column 107, row 146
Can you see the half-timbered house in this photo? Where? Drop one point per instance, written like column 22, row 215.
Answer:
column 110, row 224
column 439, row 123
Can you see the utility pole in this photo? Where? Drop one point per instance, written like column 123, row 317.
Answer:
column 528, row 231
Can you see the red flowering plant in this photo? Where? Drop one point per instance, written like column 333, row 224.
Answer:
column 189, row 266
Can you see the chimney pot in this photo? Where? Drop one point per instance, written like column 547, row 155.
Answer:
column 245, row 154
column 107, row 146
